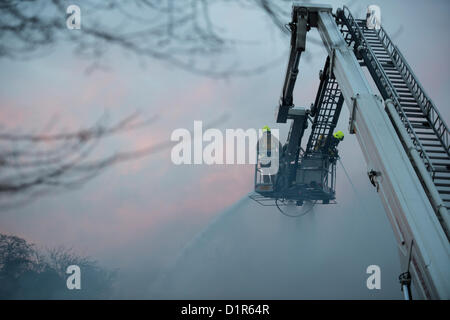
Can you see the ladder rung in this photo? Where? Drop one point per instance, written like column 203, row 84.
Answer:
column 444, row 171
column 375, row 45
column 435, row 151
column 398, row 83
column 407, row 100
column 367, row 31
column 431, row 145
column 412, row 109
column 361, row 23
column 415, row 115
column 428, row 139
column 381, row 55
column 420, row 126
column 422, row 123
column 398, row 86
column 446, row 166
column 410, row 105
column 441, row 178
column 381, row 51
column 442, row 184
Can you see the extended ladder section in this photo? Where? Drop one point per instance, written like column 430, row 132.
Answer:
column 417, row 114
column 325, row 111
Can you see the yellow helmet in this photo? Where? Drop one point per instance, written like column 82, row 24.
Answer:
column 266, row 128
column 339, row 135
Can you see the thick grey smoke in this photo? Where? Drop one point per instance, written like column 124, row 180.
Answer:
column 253, row 252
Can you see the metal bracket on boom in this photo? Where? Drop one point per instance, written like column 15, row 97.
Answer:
column 373, row 177
column 351, row 128
column 330, row 70
column 405, row 277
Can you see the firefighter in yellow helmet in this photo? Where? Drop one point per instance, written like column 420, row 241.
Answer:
column 338, row 136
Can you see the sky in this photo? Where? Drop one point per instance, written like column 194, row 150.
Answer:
column 190, row 230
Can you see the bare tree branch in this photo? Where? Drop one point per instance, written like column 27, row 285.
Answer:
column 33, row 164
column 181, row 32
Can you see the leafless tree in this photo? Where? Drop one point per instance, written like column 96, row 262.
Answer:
column 32, row 165
column 27, row 272
column 182, row 32
column 35, row 164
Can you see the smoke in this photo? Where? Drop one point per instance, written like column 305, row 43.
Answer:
column 253, row 252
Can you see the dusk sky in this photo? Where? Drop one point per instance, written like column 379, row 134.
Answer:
column 190, row 230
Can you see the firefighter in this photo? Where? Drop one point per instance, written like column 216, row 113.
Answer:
column 337, row 137
column 265, row 152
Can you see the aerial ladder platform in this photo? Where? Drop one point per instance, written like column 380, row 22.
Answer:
column 404, row 139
